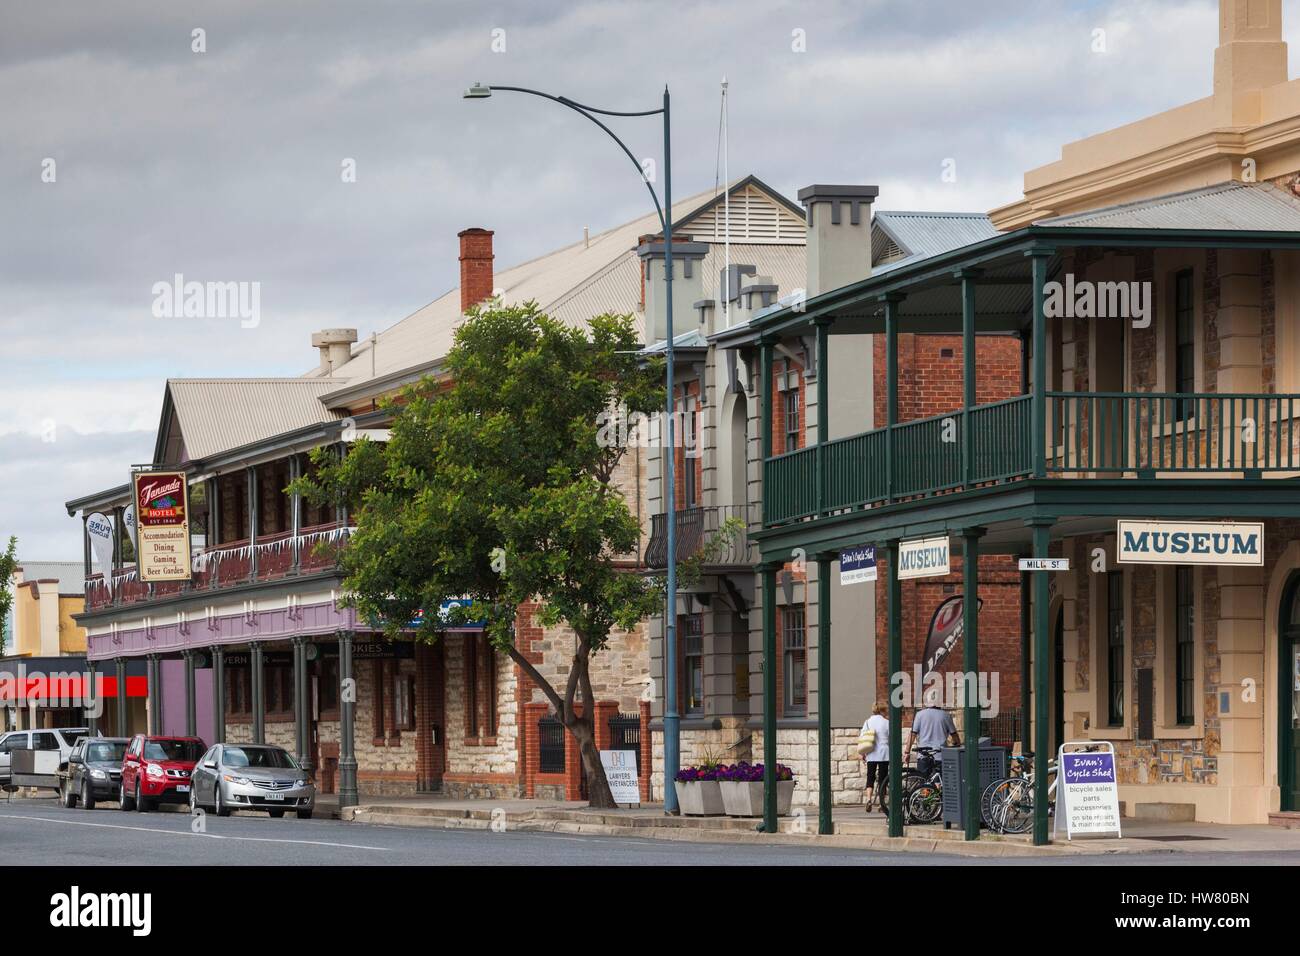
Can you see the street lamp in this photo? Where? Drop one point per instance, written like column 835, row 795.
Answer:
column 672, row 721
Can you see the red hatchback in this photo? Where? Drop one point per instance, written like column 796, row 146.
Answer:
column 157, row 770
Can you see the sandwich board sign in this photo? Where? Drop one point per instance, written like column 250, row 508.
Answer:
column 1087, row 789
column 620, row 771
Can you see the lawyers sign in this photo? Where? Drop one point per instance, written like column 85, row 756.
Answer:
column 927, row 558
column 1190, row 542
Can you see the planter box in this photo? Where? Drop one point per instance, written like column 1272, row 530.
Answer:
column 746, row 799
column 699, row 798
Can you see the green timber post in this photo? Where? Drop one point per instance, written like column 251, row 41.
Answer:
column 824, row 821
column 891, row 386
column 769, row 696
column 970, row 562
column 823, row 409
column 122, row 719
column 765, row 348
column 895, row 619
column 967, row 277
column 1042, row 656
column 1038, row 407
column 1026, row 700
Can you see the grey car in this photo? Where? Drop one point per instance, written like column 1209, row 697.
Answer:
column 251, row 777
column 94, row 771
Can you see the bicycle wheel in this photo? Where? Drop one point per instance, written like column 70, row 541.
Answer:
column 925, row 803
column 1017, row 812
column 987, row 807
column 911, row 780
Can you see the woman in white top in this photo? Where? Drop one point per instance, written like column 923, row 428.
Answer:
column 877, row 758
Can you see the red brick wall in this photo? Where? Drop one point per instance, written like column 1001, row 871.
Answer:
column 778, row 411
column 930, row 371
column 999, row 624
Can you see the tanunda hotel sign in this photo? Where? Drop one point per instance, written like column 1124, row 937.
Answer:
column 1190, row 542
column 162, row 525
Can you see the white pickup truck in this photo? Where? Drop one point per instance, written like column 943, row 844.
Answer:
column 49, row 738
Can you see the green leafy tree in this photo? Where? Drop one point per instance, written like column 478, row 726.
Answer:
column 8, row 565
column 497, row 485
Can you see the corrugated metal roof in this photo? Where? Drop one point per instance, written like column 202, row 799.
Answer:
column 71, row 575
column 218, row 414
column 572, row 284
column 920, row 235
column 1234, row 206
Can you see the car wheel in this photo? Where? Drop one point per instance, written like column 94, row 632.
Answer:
column 87, row 795
column 304, row 814
column 276, row 814
column 218, row 807
column 140, row 806
column 123, row 801
column 194, row 800
column 66, row 796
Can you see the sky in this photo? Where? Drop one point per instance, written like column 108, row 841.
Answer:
column 142, row 140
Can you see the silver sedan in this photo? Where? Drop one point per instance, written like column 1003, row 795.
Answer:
column 251, row 777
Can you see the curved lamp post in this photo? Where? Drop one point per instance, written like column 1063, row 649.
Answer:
column 671, row 718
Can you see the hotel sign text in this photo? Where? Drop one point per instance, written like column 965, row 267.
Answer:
column 1190, row 542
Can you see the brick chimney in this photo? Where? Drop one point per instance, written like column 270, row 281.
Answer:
column 475, row 266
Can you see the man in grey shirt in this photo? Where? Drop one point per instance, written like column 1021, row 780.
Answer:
column 931, row 727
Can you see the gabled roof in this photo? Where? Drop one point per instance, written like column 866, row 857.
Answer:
column 1234, row 206
column 578, row 281
column 206, row 416
column 920, row 235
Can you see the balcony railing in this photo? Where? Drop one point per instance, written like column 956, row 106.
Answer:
column 229, row 564
column 1088, row 434
column 695, row 528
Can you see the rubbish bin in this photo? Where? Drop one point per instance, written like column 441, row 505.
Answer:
column 993, row 766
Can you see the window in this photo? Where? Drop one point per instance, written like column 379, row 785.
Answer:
column 1115, row 648
column 488, row 668
column 404, row 702
column 470, row 654
column 45, row 741
column 239, row 690
column 1184, row 648
column 14, row 742
column 1184, row 344
column 329, row 685
column 795, row 661
column 690, row 449
column 690, row 638
column 790, row 400
column 279, row 688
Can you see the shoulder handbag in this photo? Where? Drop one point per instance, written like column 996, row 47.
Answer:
column 866, row 742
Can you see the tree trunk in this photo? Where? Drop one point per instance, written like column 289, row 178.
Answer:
column 598, row 792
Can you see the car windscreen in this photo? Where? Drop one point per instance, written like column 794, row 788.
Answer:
column 272, row 757
column 105, row 752
column 190, row 750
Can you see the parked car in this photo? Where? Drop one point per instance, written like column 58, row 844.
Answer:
column 252, row 777
column 156, row 770
column 45, row 738
column 94, row 771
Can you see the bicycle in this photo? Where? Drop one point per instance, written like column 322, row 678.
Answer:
column 922, row 790
column 1007, row 805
